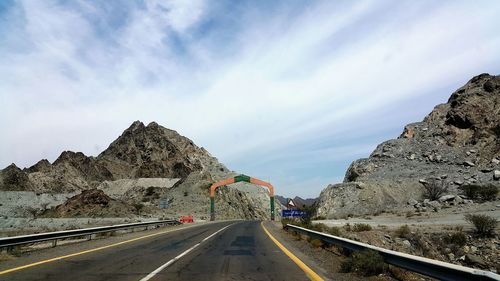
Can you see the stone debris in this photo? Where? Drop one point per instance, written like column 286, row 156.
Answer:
column 496, row 175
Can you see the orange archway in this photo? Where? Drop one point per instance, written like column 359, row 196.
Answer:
column 239, row 178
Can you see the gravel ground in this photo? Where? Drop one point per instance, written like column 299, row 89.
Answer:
column 431, row 221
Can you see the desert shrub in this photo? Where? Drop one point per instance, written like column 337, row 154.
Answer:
column 400, row 274
column 318, row 218
column 435, row 189
column 366, row 263
column 149, row 191
column 334, row 231
column 347, row 227
column 403, row 231
column 6, row 256
column 358, row 227
column 316, row 243
column 319, row 227
column 409, row 214
column 327, row 229
column 310, row 212
column 456, row 238
column 138, row 207
column 285, row 221
column 485, row 225
column 486, row 193
column 470, row 190
column 489, row 192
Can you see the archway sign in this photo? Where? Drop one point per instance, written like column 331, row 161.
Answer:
column 236, row 179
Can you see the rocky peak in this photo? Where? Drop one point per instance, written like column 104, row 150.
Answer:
column 152, row 151
column 41, row 166
column 71, row 157
column 458, row 142
column 470, row 118
column 13, row 178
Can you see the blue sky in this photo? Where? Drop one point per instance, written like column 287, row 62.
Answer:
column 287, row 91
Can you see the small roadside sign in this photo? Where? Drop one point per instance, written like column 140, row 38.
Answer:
column 163, row 204
column 292, row 213
column 291, row 204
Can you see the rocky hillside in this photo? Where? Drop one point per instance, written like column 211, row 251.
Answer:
column 457, row 143
column 90, row 203
column 144, row 165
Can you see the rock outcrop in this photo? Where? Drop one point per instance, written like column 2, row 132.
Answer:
column 91, row 203
column 154, row 151
column 458, row 142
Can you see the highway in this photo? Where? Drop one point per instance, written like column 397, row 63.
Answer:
column 238, row 250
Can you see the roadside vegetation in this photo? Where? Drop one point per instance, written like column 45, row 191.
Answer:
column 480, row 192
column 435, row 189
column 453, row 244
column 366, row 263
column 484, row 225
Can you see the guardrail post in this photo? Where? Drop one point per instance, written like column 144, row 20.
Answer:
column 54, row 243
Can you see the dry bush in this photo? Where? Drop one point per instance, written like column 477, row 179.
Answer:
column 6, row 256
column 358, row 227
column 435, row 189
column 347, row 227
column 403, row 231
column 316, row 243
column 485, row 225
column 456, row 238
column 482, row 192
column 366, row 263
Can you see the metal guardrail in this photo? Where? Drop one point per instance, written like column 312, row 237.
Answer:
column 433, row 268
column 54, row 236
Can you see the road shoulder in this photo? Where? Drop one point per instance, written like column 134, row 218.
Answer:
column 323, row 262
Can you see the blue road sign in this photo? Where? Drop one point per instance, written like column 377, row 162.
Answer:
column 292, row 213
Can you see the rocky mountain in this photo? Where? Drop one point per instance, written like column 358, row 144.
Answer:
column 298, row 200
column 457, row 143
column 140, row 152
column 144, row 165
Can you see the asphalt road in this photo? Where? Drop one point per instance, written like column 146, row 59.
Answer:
column 242, row 251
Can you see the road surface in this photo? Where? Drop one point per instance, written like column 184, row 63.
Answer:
column 217, row 251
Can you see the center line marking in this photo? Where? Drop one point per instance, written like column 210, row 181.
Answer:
column 170, row 262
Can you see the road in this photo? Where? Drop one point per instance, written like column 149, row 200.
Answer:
column 217, row 251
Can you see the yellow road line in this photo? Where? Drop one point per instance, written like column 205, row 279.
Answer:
column 309, row 272
column 87, row 251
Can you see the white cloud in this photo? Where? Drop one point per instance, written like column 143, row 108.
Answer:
column 277, row 82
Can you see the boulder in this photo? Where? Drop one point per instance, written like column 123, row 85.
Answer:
column 475, row 260
column 435, row 205
column 496, row 175
column 469, row 163
column 446, row 198
column 412, row 202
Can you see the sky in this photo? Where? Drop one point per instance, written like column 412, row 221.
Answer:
column 287, row 91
